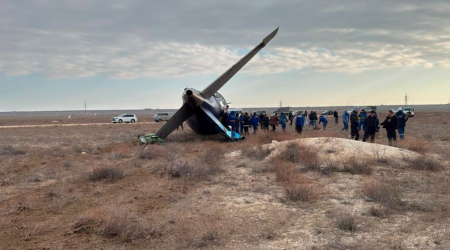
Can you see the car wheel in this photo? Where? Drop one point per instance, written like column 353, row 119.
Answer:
column 120, row 121
column 133, row 121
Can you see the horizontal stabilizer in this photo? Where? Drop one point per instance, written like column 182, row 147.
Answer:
column 217, row 84
column 219, row 126
column 177, row 119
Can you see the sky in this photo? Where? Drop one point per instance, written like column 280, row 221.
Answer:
column 135, row 54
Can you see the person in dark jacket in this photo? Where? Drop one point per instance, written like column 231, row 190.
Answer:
column 255, row 122
column 370, row 126
column 354, row 121
column 336, row 117
column 402, row 119
column 291, row 117
column 274, row 122
column 391, row 124
column 265, row 122
column 261, row 117
column 232, row 121
column 246, row 123
column 299, row 123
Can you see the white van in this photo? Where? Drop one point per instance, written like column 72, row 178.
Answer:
column 158, row 117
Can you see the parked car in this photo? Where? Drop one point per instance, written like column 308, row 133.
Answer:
column 131, row 118
column 159, row 117
column 284, row 110
column 409, row 111
column 297, row 112
column 328, row 112
column 259, row 112
column 370, row 108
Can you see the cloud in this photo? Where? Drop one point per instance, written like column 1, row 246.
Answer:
column 159, row 39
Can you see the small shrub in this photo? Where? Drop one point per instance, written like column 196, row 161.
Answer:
column 388, row 194
column 347, row 222
column 300, row 192
column 257, row 153
column 209, row 238
column 424, row 163
column 361, row 167
column 329, row 167
column 420, row 147
column 378, row 212
column 106, row 173
column 152, row 152
column 212, row 156
column 10, row 150
column 66, row 164
column 296, row 153
column 127, row 227
column 291, row 153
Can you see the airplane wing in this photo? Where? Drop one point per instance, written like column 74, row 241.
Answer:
column 177, row 119
column 217, row 84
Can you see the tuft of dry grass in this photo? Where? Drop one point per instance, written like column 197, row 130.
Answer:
column 106, row 173
column 358, row 166
column 419, row 146
column 297, row 153
column 306, row 192
column 387, row 193
column 10, row 150
column 346, row 222
column 127, row 227
column 151, row 152
column 257, row 153
column 423, row 163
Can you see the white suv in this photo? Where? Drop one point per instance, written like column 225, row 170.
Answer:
column 124, row 118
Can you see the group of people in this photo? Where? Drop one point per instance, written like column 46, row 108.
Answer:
column 357, row 119
column 371, row 125
column 242, row 122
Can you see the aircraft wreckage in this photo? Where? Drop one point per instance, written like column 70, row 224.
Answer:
column 202, row 110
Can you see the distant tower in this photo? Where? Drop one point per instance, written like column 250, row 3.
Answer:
column 406, row 99
column 281, row 104
column 84, row 107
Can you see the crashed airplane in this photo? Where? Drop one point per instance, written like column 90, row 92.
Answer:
column 202, row 110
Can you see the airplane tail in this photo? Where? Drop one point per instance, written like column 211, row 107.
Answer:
column 195, row 101
column 217, row 84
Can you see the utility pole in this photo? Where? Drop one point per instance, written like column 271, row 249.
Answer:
column 406, row 99
column 85, row 107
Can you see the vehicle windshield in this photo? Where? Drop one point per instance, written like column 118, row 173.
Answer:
column 121, row 115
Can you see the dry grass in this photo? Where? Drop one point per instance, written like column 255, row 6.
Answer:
column 296, row 186
column 298, row 153
column 10, row 150
column 359, row 166
column 106, row 173
column 257, row 153
column 423, row 163
column 305, row 192
column 385, row 192
column 346, row 222
column 419, row 146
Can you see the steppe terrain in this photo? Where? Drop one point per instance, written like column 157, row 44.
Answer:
column 92, row 187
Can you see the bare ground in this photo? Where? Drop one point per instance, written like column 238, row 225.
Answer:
column 198, row 192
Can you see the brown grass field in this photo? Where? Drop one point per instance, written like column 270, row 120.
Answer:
column 91, row 187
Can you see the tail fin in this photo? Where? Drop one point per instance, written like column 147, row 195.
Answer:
column 217, row 84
